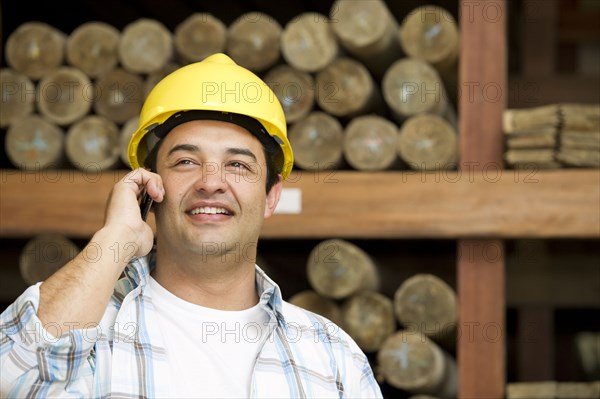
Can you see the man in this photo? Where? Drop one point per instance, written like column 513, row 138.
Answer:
column 195, row 317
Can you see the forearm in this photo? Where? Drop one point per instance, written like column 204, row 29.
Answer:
column 76, row 296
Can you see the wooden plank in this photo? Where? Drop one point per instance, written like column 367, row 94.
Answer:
column 62, row 201
column 481, row 273
column 411, row 204
column 447, row 206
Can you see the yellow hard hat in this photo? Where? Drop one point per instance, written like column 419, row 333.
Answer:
column 215, row 84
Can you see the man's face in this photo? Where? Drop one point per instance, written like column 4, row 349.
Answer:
column 214, row 174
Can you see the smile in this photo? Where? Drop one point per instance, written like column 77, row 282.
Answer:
column 209, row 210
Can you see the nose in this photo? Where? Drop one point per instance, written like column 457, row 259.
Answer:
column 211, row 179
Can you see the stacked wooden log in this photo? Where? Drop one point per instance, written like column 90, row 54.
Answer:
column 64, row 96
column 411, row 334
column 361, row 88
column 553, row 136
column 45, row 254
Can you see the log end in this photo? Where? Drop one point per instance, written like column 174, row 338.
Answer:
column 198, row 36
column 428, row 142
column 411, row 86
column 93, row 143
column 337, row 269
column 430, row 33
column 43, row 255
column 370, row 143
column 308, row 42
column 146, row 46
column 33, row 143
column 369, row 319
column 317, row 142
column 35, row 48
column 92, row 48
column 17, row 96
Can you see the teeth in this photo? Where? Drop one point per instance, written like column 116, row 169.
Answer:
column 208, row 210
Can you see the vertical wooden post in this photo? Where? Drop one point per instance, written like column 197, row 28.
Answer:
column 480, row 265
column 481, row 342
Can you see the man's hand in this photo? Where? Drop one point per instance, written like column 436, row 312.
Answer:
column 123, row 210
column 77, row 294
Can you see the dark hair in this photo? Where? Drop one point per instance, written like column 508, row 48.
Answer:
column 271, row 149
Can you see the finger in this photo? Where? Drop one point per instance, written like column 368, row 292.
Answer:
column 155, row 188
column 140, row 177
column 143, row 179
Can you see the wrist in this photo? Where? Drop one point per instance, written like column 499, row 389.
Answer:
column 114, row 246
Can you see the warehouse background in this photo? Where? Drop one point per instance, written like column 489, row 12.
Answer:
column 552, row 284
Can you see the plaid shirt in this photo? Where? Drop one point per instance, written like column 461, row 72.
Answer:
column 304, row 356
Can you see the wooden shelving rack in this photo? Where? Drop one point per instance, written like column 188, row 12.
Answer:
column 476, row 204
column 479, row 205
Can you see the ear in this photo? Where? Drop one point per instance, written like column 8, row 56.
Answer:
column 273, row 197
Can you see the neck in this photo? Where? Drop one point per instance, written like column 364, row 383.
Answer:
column 208, row 281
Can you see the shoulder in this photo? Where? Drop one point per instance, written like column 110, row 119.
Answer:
column 327, row 348
column 322, row 331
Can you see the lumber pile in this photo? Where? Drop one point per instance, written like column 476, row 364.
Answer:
column 348, row 82
column 410, row 337
column 553, row 136
column 409, row 329
column 553, row 390
column 387, row 81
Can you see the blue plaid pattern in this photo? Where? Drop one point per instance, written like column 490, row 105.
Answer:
column 305, row 356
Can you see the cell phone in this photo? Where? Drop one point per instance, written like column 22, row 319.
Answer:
column 145, row 205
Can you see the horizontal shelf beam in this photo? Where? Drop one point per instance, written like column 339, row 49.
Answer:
column 410, row 204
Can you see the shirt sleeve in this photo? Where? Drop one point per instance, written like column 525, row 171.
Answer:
column 360, row 381
column 32, row 358
column 369, row 388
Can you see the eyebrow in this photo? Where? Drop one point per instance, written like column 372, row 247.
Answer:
column 184, row 147
column 195, row 148
column 242, row 151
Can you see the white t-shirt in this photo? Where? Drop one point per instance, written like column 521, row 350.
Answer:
column 212, row 352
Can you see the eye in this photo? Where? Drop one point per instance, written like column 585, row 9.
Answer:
column 238, row 165
column 184, row 162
